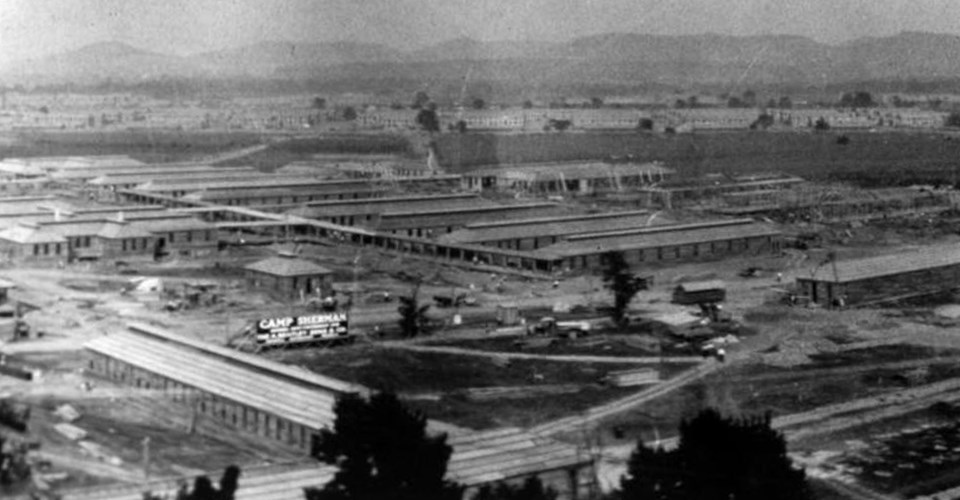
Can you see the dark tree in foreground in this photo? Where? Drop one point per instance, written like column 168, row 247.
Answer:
column 382, row 451
column 531, row 489
column 621, row 282
column 413, row 316
column 717, row 459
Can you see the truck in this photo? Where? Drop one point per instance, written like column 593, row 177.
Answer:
column 548, row 325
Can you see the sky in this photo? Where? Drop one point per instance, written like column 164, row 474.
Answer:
column 33, row 28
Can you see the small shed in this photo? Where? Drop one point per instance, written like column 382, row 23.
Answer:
column 700, row 292
column 290, row 276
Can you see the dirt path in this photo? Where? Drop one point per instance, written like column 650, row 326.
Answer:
column 600, row 412
column 542, row 357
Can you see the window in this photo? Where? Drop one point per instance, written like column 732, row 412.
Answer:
column 189, row 236
column 123, row 245
column 172, row 237
column 36, row 250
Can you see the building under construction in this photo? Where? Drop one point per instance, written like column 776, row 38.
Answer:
column 711, row 189
column 814, row 203
column 568, row 178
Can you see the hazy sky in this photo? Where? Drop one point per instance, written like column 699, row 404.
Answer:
column 29, row 28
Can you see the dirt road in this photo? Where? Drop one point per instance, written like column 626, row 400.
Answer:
column 544, row 357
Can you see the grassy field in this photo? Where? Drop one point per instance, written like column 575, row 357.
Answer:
column 151, row 146
column 595, row 345
column 449, row 377
column 519, row 412
column 747, row 389
column 409, row 371
column 280, row 154
column 870, row 159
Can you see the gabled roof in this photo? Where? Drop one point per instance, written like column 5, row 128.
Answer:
column 121, row 230
column 174, row 224
column 74, row 228
column 273, row 482
column 30, row 234
column 500, row 454
column 287, row 266
column 561, row 226
column 930, row 257
column 308, row 406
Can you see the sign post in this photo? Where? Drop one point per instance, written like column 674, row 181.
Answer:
column 301, row 329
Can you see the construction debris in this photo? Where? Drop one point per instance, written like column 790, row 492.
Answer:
column 67, row 413
column 70, row 431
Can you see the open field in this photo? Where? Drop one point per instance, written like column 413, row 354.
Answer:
column 869, row 159
column 408, row 371
column 907, row 456
column 151, row 146
column 598, row 345
column 757, row 389
column 280, row 154
column 452, row 387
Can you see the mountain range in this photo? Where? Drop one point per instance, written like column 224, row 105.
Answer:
column 611, row 60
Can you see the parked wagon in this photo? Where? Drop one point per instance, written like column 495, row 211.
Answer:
column 700, row 292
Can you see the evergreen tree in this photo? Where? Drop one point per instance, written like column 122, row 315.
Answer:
column 413, row 316
column 621, row 282
column 717, row 458
column 383, row 451
column 428, row 120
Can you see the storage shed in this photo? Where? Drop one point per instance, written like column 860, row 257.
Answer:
column 290, row 276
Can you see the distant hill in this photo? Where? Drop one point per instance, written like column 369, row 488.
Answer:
column 96, row 63
column 265, row 59
column 611, row 61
